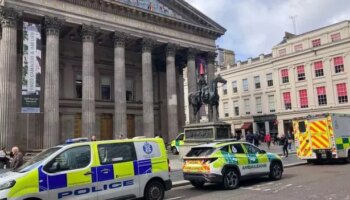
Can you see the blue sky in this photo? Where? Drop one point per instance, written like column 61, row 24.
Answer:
column 255, row 26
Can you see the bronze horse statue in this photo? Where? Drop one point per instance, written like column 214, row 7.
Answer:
column 206, row 95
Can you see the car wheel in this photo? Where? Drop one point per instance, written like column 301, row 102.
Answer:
column 310, row 161
column 154, row 191
column 230, row 179
column 198, row 184
column 174, row 150
column 276, row 171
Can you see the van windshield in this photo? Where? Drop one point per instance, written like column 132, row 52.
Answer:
column 37, row 160
column 200, row 152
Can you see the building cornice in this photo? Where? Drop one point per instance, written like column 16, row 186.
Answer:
column 118, row 8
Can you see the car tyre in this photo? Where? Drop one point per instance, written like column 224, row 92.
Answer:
column 231, row 179
column 174, row 150
column 276, row 171
column 154, row 191
column 198, row 184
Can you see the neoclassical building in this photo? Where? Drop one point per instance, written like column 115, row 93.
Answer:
column 305, row 74
column 109, row 68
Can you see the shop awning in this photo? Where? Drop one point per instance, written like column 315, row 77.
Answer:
column 246, row 125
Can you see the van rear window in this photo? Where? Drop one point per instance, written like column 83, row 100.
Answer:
column 302, row 127
column 200, row 152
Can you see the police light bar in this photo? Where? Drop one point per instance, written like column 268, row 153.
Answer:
column 76, row 140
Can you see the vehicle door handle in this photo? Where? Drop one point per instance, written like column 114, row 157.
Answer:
column 88, row 173
column 105, row 171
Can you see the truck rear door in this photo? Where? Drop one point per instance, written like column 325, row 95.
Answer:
column 319, row 134
column 302, row 139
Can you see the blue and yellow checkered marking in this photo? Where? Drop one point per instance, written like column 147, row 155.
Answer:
column 342, row 143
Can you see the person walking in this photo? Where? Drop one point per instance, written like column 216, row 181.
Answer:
column 3, row 158
column 17, row 160
column 285, row 146
column 267, row 139
column 290, row 140
column 249, row 137
column 256, row 139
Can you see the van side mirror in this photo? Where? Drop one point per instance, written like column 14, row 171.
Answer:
column 262, row 151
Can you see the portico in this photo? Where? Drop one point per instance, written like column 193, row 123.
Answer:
column 109, row 69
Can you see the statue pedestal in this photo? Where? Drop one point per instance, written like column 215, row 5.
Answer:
column 202, row 133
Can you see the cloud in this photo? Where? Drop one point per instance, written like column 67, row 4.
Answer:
column 255, row 26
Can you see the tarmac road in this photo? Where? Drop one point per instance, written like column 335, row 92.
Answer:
column 311, row 182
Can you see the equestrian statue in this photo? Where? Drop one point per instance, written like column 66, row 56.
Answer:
column 206, row 94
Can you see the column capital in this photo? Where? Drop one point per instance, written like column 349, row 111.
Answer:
column 170, row 49
column 211, row 56
column 147, row 44
column 192, row 53
column 9, row 17
column 53, row 25
column 120, row 39
column 88, row 32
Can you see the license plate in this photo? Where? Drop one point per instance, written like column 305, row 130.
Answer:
column 193, row 162
column 324, row 155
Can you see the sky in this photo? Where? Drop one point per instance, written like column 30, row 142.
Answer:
column 255, row 26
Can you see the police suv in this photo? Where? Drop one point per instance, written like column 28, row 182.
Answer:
column 115, row 169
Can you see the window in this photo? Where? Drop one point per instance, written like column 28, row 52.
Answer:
column 224, row 89
column 303, row 99
column 225, row 149
column 258, row 105
column 247, row 106
column 129, row 90
column 251, row 149
column 285, row 77
column 180, row 137
column 236, row 108
column 74, row 158
column 301, row 73
column 271, row 100
column 237, row 148
column 338, row 64
column 257, row 82
column 226, row 109
column 342, row 93
column 78, row 86
column 269, row 79
column 321, row 95
column 316, row 42
column 335, row 37
column 105, row 88
column 234, row 87
column 116, row 153
column 298, row 47
column 245, row 84
column 287, row 101
column 318, row 68
column 282, row 52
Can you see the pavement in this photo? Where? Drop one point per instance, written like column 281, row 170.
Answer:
column 176, row 163
column 309, row 182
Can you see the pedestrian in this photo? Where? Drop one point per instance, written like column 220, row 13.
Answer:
column 290, row 140
column 3, row 158
column 17, row 160
column 285, row 146
column 93, row 138
column 249, row 137
column 267, row 139
column 256, row 139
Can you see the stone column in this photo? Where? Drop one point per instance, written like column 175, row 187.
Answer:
column 147, row 88
column 173, row 126
column 51, row 92
column 191, row 79
column 88, row 101
column 214, row 115
column 267, row 127
column 181, row 101
column 8, row 77
column 120, row 121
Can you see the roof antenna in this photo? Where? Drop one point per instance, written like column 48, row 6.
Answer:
column 294, row 23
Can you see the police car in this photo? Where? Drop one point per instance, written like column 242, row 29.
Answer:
column 175, row 144
column 116, row 169
column 228, row 163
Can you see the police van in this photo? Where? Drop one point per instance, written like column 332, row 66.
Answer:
column 115, row 169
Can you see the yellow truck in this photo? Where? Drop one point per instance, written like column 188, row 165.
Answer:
column 322, row 137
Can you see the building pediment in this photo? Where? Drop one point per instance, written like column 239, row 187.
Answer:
column 176, row 14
